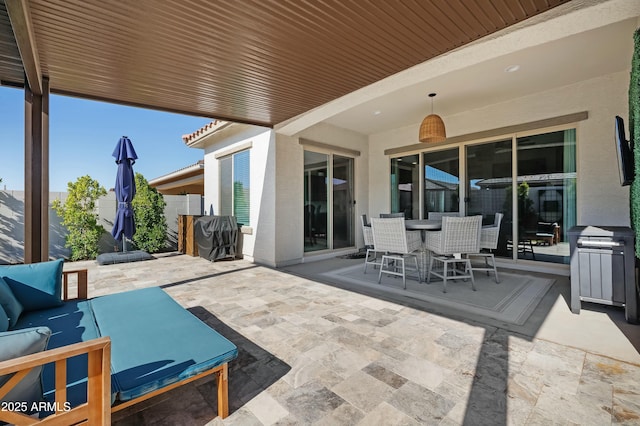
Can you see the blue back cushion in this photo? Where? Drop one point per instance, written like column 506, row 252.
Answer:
column 10, row 305
column 155, row 341
column 14, row 344
column 71, row 322
column 4, row 320
column 36, row 285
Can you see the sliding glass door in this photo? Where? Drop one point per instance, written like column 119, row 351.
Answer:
column 546, row 194
column 405, row 184
column 489, row 186
column 441, row 182
column 343, row 216
column 316, row 194
column 328, row 201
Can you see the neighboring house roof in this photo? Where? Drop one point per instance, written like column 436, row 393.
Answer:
column 432, row 184
column 203, row 131
column 205, row 135
column 533, row 180
column 187, row 180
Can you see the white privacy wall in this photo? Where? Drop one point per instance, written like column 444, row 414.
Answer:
column 600, row 198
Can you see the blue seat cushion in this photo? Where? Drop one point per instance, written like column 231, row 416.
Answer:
column 155, row 341
column 35, row 285
column 73, row 322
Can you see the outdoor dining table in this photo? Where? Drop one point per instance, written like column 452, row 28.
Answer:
column 423, row 225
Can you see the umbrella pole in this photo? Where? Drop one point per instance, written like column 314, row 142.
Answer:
column 124, row 244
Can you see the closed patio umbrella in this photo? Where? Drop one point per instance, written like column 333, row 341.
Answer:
column 124, row 225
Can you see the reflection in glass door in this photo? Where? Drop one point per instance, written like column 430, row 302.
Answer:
column 342, row 183
column 441, row 183
column 489, row 189
column 546, row 194
column 328, row 201
column 405, row 181
column 315, row 201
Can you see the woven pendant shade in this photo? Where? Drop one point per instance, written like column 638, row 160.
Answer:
column 432, row 127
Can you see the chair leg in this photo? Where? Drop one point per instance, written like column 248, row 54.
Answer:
column 384, row 259
column 415, row 258
column 366, row 260
column 486, row 263
column 404, row 275
column 533, row 253
column 495, row 270
column 444, row 279
column 467, row 269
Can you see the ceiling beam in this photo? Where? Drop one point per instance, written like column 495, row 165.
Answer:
column 18, row 11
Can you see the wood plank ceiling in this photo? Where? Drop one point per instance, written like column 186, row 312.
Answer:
column 260, row 61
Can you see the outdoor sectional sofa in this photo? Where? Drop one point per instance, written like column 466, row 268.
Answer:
column 82, row 359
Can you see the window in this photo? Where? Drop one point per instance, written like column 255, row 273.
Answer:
column 235, row 186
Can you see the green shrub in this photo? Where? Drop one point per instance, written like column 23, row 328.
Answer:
column 151, row 225
column 79, row 216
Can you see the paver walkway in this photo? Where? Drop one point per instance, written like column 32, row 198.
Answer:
column 311, row 353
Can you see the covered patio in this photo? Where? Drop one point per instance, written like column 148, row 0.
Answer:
column 313, row 351
column 297, row 80
column 276, row 67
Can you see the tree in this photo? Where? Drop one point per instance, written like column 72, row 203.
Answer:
column 79, row 216
column 148, row 208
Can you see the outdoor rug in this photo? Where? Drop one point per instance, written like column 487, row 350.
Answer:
column 511, row 301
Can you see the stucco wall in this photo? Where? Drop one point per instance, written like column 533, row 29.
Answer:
column 277, row 169
column 289, row 208
column 290, row 169
column 600, row 198
column 258, row 237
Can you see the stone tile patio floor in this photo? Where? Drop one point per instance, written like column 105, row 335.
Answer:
column 311, row 353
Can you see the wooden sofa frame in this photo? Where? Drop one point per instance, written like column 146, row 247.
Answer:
column 97, row 410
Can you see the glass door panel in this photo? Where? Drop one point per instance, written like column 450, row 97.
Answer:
column 315, row 201
column 489, row 187
column 405, row 181
column 546, row 194
column 343, row 217
column 441, row 182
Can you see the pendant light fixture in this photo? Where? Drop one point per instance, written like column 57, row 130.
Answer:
column 432, row 127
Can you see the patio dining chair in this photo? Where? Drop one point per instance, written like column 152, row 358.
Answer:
column 391, row 215
column 391, row 237
column 450, row 246
column 367, row 233
column 439, row 215
column 489, row 242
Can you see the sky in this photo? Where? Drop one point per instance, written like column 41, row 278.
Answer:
column 83, row 135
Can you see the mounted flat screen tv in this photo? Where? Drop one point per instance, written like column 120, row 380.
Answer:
column 625, row 157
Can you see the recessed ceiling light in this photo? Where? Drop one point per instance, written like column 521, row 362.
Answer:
column 512, row 68
column 377, row 112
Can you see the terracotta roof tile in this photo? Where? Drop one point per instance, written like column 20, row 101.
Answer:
column 206, row 129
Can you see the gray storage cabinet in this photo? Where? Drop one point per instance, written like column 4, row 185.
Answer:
column 603, row 268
